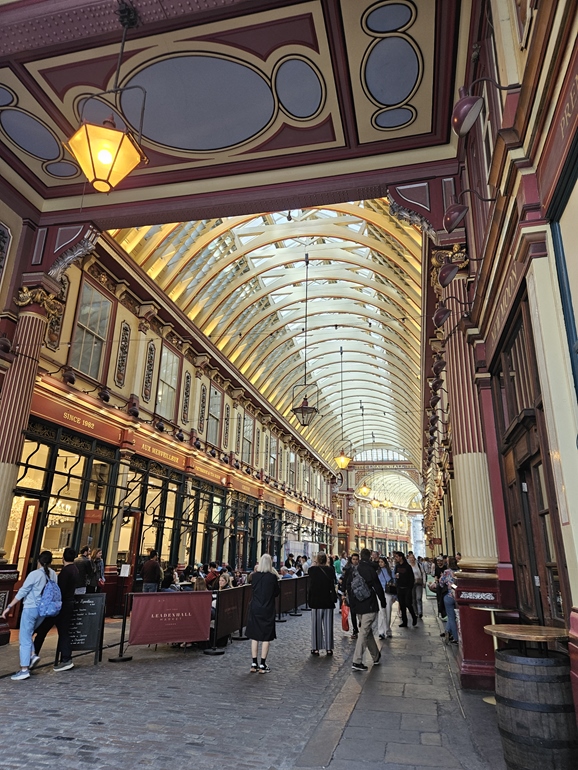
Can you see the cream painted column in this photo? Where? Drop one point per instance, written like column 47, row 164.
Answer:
column 559, row 397
column 472, row 502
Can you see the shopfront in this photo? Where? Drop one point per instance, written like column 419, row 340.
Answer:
column 243, row 523
column 271, row 532
column 64, row 496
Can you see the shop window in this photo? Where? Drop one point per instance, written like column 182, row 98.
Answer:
column 167, row 389
column 214, row 418
column 291, row 469
column 248, row 428
column 34, row 461
column 307, row 480
column 89, row 340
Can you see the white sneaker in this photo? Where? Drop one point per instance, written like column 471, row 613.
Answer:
column 20, row 675
column 389, row 635
column 65, row 665
column 34, row 660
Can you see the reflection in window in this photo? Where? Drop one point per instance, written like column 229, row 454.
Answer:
column 167, row 390
column 248, row 426
column 89, row 339
column 214, row 419
column 34, row 461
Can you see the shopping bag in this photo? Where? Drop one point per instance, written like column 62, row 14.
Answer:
column 345, row 617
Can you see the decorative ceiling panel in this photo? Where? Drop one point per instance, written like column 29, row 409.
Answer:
column 235, row 99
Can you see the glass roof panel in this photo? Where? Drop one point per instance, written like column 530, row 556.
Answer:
column 242, row 281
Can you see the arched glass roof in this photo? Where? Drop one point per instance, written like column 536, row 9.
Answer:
column 241, row 280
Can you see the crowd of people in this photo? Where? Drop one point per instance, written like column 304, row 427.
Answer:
column 364, row 585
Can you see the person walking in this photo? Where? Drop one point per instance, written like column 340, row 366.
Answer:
column 31, row 592
column 261, row 616
column 365, row 589
column 387, row 580
column 321, row 598
column 67, row 582
column 418, row 584
column 447, row 580
column 151, row 573
column 404, row 580
column 352, row 561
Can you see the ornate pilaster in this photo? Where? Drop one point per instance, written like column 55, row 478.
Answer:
column 38, row 300
column 472, row 503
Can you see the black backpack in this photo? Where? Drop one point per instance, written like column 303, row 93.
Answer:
column 359, row 587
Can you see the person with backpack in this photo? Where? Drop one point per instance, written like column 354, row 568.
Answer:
column 40, row 598
column 67, row 582
column 365, row 589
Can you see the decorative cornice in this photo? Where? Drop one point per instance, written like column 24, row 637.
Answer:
column 407, row 215
column 74, row 254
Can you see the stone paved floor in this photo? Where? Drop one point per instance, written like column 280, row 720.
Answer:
column 174, row 709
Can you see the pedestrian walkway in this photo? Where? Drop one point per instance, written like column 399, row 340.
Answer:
column 171, row 707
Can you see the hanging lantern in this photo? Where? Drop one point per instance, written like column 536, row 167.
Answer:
column 105, row 154
column 364, row 490
column 342, row 460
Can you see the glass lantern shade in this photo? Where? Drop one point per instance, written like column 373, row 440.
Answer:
column 375, row 503
column 342, row 461
column 304, row 413
column 364, row 490
column 105, row 154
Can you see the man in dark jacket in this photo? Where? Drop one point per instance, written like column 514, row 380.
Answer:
column 366, row 609
column 151, row 574
column 85, row 570
column 405, row 579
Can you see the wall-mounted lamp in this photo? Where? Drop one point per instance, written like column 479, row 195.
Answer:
column 455, row 214
column 438, row 365
column 442, row 313
column 468, row 107
column 160, row 426
column 197, row 444
column 69, row 376
column 179, row 435
column 104, row 395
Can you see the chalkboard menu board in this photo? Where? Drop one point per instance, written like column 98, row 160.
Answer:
column 87, row 624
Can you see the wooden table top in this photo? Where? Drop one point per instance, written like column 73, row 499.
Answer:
column 524, row 633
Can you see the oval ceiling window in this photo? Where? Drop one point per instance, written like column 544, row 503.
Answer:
column 200, row 103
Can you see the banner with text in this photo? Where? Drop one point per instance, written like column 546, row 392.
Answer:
column 174, row 616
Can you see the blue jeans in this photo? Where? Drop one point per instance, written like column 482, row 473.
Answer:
column 450, row 605
column 150, row 588
column 29, row 621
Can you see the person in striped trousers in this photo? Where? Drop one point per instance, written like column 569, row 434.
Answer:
column 322, row 597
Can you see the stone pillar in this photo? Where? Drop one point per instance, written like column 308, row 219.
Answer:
column 39, row 303
column 472, row 505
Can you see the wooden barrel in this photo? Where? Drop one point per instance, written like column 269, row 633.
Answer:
column 535, row 710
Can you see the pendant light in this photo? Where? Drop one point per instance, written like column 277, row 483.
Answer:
column 304, row 411
column 107, row 154
column 342, row 460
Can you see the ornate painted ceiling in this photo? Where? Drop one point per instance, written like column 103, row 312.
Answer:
column 244, row 101
column 319, row 110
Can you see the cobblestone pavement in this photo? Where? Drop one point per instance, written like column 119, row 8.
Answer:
column 172, row 708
